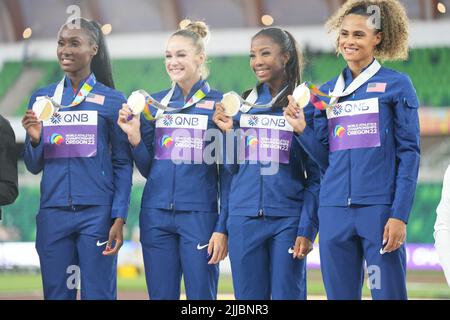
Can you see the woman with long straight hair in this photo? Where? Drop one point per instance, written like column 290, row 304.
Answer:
column 273, row 194
column 86, row 168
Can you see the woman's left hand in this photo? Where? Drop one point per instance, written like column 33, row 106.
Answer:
column 218, row 247
column 116, row 237
column 394, row 234
column 302, row 247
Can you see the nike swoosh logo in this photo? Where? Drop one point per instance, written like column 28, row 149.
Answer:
column 99, row 244
column 290, row 251
column 199, row 247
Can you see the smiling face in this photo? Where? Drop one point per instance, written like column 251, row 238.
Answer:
column 357, row 41
column 75, row 51
column 267, row 61
column 183, row 61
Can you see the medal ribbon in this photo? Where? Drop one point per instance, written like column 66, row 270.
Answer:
column 339, row 91
column 87, row 87
column 249, row 103
column 162, row 106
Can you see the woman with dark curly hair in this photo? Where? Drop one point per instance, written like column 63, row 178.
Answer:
column 371, row 131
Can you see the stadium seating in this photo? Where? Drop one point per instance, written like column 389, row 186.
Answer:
column 8, row 75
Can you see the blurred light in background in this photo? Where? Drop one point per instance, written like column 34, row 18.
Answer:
column 184, row 23
column 27, row 33
column 106, row 29
column 267, row 20
column 441, row 7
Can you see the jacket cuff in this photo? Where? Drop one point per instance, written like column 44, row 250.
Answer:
column 119, row 212
column 398, row 214
column 309, row 232
column 136, row 151
column 221, row 225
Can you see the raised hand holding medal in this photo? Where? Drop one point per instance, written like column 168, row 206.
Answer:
column 303, row 95
column 140, row 101
column 45, row 107
column 233, row 102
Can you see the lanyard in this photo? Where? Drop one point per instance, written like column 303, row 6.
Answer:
column 362, row 78
column 339, row 91
column 163, row 105
column 249, row 102
column 79, row 98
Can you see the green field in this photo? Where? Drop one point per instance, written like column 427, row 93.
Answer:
column 421, row 285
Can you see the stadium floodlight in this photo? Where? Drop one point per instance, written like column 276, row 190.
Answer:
column 267, row 20
column 27, row 33
column 106, row 29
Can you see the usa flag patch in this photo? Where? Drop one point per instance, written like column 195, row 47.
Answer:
column 376, row 87
column 95, row 98
column 206, row 104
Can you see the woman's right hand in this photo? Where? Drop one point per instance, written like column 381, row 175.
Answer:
column 33, row 126
column 130, row 124
column 223, row 121
column 295, row 116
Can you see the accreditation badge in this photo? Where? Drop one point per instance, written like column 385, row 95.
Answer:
column 70, row 134
column 266, row 138
column 180, row 137
column 354, row 124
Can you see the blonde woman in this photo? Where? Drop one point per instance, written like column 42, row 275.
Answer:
column 181, row 230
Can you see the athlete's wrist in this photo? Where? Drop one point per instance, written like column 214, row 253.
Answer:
column 134, row 140
column 119, row 221
column 35, row 142
column 299, row 131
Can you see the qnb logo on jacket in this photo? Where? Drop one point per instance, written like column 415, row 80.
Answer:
column 265, row 122
column 183, row 121
column 168, row 120
column 56, row 118
column 353, row 108
column 337, row 110
column 70, row 134
column 354, row 124
column 180, row 137
column 253, row 121
column 266, row 138
column 68, row 118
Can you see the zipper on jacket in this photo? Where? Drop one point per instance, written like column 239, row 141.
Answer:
column 172, row 203
column 349, row 199
column 70, row 182
column 261, row 210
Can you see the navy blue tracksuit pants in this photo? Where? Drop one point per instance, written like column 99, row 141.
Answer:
column 347, row 237
column 174, row 244
column 262, row 264
column 70, row 242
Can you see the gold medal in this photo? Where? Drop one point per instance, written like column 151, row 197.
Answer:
column 44, row 109
column 136, row 102
column 231, row 104
column 301, row 95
